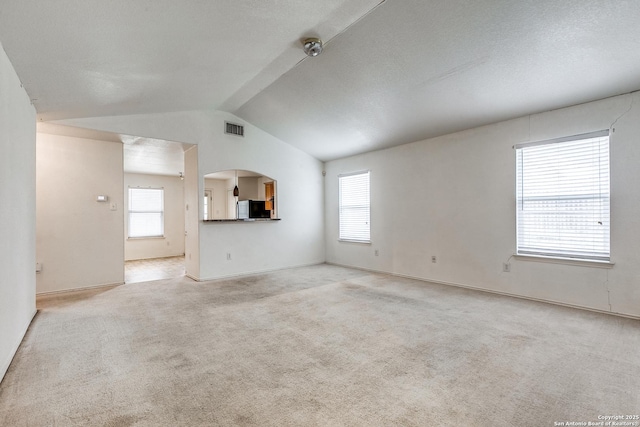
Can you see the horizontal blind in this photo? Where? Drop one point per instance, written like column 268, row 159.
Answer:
column 562, row 194
column 146, row 212
column 354, row 207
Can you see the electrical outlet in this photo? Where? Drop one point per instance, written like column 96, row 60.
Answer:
column 376, row 253
column 228, row 256
column 506, row 267
column 433, row 259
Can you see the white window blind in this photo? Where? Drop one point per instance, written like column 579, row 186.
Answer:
column 146, row 212
column 562, row 194
column 354, row 207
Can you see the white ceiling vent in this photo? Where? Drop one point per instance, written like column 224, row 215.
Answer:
column 233, row 129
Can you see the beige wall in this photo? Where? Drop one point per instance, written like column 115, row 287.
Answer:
column 454, row 197
column 17, row 212
column 219, row 188
column 172, row 244
column 248, row 188
column 79, row 240
column 297, row 239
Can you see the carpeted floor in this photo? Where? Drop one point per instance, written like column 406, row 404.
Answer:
column 319, row 345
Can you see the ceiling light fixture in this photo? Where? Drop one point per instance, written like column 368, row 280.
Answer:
column 312, row 47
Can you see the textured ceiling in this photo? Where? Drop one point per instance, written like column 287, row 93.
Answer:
column 406, row 71
column 94, row 57
column 414, row 69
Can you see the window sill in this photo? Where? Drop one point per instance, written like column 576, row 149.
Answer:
column 242, row 220
column 145, row 237
column 566, row 261
column 362, row 242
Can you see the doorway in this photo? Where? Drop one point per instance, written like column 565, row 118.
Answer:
column 207, row 204
column 145, row 270
column 155, row 212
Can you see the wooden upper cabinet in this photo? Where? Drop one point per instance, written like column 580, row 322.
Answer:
column 269, row 193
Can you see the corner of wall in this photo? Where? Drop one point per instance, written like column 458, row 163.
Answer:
column 17, row 219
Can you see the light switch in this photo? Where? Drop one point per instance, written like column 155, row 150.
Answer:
column 114, row 206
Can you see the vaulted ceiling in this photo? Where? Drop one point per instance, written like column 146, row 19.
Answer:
column 392, row 72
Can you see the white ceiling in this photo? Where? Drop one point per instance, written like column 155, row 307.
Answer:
column 406, row 71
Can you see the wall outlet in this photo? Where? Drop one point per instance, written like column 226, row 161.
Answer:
column 228, row 256
column 506, row 267
column 433, row 259
column 376, row 253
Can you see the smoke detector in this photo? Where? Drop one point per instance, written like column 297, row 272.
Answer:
column 312, row 47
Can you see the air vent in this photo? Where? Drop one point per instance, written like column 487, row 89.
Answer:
column 233, row 129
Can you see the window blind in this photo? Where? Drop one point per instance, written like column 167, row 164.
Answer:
column 562, row 195
column 146, row 212
column 354, row 207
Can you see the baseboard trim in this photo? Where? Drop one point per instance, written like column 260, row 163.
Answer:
column 253, row 273
column 491, row 291
column 192, row 277
column 83, row 288
column 12, row 354
column 154, row 257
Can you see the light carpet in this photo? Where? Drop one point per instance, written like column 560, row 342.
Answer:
column 320, row 345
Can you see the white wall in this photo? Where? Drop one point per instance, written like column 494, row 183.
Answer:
column 79, row 240
column 260, row 246
column 173, row 242
column 17, row 212
column 192, row 208
column 453, row 197
column 257, row 246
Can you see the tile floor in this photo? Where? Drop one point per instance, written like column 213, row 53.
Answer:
column 144, row 270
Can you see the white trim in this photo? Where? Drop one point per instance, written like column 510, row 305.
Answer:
column 567, row 261
column 364, row 242
column 14, row 349
column 84, row 288
column 155, row 257
column 147, row 188
column 192, row 277
column 506, row 294
column 253, row 273
column 596, row 134
column 342, row 175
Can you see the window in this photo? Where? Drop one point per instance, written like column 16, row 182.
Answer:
column 354, row 207
column 146, row 212
column 562, row 195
